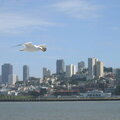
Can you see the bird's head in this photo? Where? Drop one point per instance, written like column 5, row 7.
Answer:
column 43, row 48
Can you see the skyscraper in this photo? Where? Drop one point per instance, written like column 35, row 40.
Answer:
column 70, row 70
column 95, row 68
column 12, row 79
column 46, row 72
column 7, row 69
column 91, row 68
column 81, row 66
column 99, row 69
column 25, row 72
column 60, row 66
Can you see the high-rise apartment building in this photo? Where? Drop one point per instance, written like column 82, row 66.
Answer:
column 81, row 66
column 46, row 72
column 25, row 73
column 99, row 69
column 7, row 69
column 91, row 68
column 12, row 79
column 70, row 70
column 60, row 66
column 95, row 68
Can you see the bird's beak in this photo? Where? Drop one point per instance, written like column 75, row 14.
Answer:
column 44, row 49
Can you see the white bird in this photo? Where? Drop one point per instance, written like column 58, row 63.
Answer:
column 29, row 47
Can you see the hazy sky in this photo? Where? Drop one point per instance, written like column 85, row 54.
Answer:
column 73, row 30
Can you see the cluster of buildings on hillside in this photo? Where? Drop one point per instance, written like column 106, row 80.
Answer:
column 95, row 70
column 68, row 79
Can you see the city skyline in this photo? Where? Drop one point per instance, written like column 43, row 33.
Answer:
column 19, row 71
column 71, row 30
column 95, row 67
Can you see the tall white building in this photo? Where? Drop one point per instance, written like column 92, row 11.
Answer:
column 95, row 68
column 81, row 66
column 70, row 70
column 99, row 69
column 12, row 79
column 46, row 72
column 91, row 67
column 73, row 69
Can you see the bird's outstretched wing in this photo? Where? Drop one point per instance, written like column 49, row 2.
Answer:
column 29, row 45
column 17, row 45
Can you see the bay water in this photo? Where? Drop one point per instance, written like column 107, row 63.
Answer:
column 81, row 110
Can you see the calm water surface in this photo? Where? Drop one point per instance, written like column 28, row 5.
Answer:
column 92, row 110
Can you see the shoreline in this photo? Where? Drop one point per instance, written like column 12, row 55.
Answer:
column 59, row 99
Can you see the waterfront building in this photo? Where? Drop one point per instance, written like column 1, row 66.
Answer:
column 7, row 69
column 46, row 72
column 81, row 66
column 25, row 73
column 95, row 94
column 60, row 66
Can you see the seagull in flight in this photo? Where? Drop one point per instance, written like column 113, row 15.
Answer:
column 29, row 47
